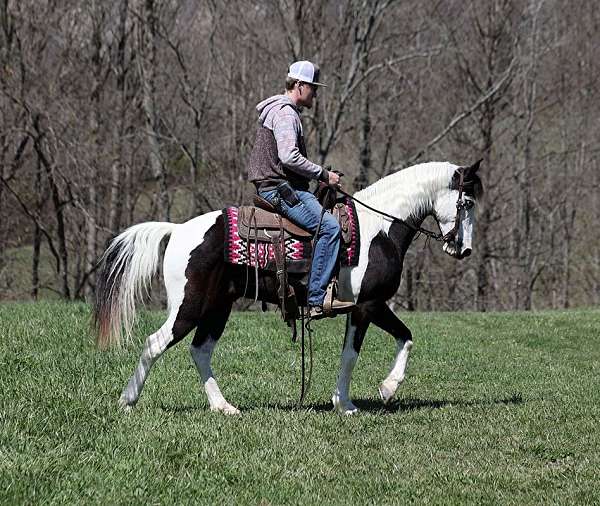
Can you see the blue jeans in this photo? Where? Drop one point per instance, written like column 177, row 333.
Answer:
column 307, row 213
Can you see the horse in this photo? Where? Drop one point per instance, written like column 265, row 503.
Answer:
column 201, row 287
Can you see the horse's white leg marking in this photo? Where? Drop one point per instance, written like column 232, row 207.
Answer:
column 154, row 347
column 202, row 355
column 388, row 387
column 341, row 398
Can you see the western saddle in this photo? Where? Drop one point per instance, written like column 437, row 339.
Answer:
column 261, row 222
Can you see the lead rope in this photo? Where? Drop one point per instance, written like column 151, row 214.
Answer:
column 305, row 383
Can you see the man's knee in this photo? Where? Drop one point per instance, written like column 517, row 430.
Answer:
column 330, row 225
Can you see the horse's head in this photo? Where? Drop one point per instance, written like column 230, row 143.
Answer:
column 455, row 210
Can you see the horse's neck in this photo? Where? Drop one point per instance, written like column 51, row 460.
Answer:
column 408, row 194
column 402, row 234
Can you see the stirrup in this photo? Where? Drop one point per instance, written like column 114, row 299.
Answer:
column 331, row 304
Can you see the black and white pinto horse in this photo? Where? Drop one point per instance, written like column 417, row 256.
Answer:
column 201, row 286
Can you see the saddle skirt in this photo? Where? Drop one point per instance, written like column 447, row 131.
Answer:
column 249, row 234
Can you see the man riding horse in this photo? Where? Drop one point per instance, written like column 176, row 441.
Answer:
column 281, row 172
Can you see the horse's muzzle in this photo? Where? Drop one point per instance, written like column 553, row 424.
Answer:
column 452, row 249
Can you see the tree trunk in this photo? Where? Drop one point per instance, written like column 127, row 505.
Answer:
column 116, row 191
column 37, row 236
column 148, row 30
column 58, row 208
column 362, row 180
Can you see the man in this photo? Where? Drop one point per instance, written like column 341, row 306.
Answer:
column 281, row 173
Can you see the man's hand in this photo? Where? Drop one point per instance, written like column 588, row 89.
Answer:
column 334, row 179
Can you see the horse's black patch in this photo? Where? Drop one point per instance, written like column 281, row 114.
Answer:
column 386, row 258
column 472, row 185
column 205, row 288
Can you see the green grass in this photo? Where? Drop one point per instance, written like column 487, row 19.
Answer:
column 496, row 409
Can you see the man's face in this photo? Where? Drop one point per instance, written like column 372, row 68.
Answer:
column 306, row 94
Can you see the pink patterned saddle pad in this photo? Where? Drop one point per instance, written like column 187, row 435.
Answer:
column 298, row 252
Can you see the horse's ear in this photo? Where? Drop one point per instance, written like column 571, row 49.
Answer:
column 475, row 167
column 471, row 170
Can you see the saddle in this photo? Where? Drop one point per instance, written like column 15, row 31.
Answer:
column 262, row 223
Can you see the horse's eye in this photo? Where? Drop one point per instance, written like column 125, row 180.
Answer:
column 469, row 204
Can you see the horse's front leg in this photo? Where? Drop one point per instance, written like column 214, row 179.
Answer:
column 386, row 320
column 357, row 323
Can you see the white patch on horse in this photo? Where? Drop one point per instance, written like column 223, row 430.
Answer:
column 202, row 356
column 388, row 387
column 186, row 237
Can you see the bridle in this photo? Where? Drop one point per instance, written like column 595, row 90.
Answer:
column 460, row 206
column 448, row 237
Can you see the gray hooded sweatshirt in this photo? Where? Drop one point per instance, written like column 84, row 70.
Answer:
column 279, row 153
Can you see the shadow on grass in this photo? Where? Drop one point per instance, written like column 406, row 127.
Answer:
column 365, row 405
column 398, row 406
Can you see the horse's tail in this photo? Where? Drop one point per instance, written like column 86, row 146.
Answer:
column 127, row 268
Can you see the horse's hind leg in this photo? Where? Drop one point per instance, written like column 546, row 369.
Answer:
column 171, row 332
column 208, row 332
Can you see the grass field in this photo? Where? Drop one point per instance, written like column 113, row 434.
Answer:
column 496, row 409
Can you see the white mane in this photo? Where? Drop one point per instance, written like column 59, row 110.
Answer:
column 409, row 191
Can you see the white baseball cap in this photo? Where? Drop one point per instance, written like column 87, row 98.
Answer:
column 306, row 72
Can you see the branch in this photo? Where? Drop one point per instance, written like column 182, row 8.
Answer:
column 35, row 219
column 458, row 118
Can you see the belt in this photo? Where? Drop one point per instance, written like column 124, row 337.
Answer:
column 267, row 185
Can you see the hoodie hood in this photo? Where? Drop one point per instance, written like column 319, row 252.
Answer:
column 272, row 104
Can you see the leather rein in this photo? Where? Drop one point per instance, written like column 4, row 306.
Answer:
column 449, row 237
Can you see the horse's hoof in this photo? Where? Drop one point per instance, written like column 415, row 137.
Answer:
column 226, row 409
column 125, row 406
column 386, row 393
column 345, row 408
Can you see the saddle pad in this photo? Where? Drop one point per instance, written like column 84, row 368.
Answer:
column 298, row 252
column 238, row 251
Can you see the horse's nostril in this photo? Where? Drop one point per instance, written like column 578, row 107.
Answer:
column 466, row 252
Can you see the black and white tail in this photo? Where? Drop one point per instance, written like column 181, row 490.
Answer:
column 127, row 268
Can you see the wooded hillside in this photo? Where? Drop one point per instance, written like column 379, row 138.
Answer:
column 115, row 112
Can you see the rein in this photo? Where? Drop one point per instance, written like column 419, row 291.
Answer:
column 428, row 233
column 449, row 237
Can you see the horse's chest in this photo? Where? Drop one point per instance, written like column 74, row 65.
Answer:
column 379, row 277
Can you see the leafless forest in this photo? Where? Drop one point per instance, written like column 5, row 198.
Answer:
column 115, row 112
